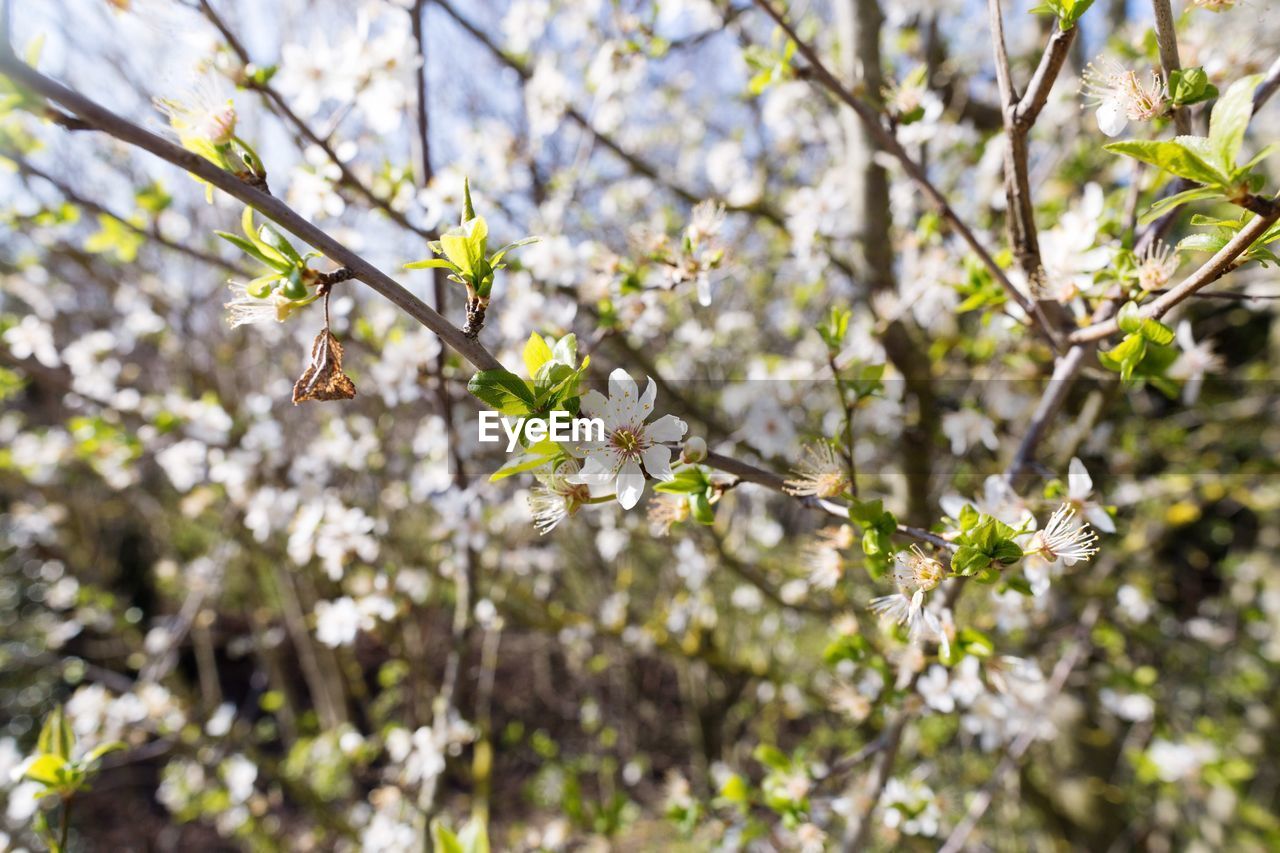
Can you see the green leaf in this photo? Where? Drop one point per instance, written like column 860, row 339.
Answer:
column 968, row 560
column 96, row 754
column 276, row 240
column 293, row 286
column 1130, row 320
column 431, row 263
column 687, row 481
column 47, row 769
column 443, row 840
column 502, row 390
column 701, row 509
column 1190, row 86
column 1230, row 119
column 535, row 456
column 772, row 757
column 498, row 255
column 536, row 354
column 465, row 246
column 56, row 736
column 1173, row 156
column 1210, row 243
column 1170, row 202
column 1125, row 357
column 252, row 250
column 468, row 211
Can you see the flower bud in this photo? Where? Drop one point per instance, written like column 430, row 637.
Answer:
column 695, row 450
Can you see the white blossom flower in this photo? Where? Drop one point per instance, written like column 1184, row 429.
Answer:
column 203, row 114
column 911, row 808
column 968, row 427
column 1177, row 761
column 934, row 688
column 239, row 774
column 1120, row 96
column 631, row 448
column 557, row 496
column 823, row 473
column 915, row 574
column 1065, row 539
column 1156, row 265
column 32, row 338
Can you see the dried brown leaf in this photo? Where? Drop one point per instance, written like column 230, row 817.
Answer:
column 323, row 379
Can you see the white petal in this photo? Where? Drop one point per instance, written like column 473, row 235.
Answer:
column 666, row 428
column 1079, row 483
column 594, row 403
column 630, row 484
column 645, row 405
column 657, row 461
column 1099, row 518
column 599, row 468
column 622, row 385
column 1111, row 117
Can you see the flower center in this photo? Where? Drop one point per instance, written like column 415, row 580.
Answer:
column 626, row 440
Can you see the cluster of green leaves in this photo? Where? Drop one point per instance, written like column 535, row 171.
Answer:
column 61, row 775
column 693, row 482
column 878, row 526
column 1208, row 161
column 1222, row 231
column 1068, row 12
column 1145, row 351
column 466, row 253
column 555, row 374
column 986, row 546
column 286, row 269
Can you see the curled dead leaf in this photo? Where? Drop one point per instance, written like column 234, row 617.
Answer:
column 323, row 379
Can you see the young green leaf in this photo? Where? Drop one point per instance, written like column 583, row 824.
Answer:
column 1230, row 118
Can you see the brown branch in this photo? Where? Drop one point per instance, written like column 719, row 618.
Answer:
column 269, row 206
column 1167, row 41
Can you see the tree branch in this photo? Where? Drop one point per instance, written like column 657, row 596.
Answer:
column 269, row 206
column 1212, row 270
